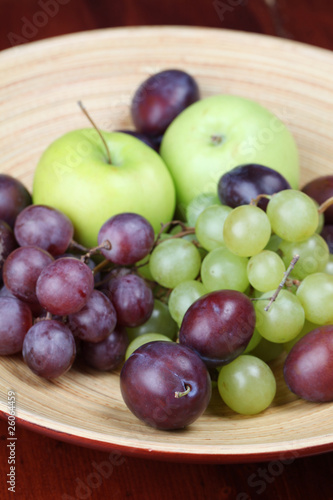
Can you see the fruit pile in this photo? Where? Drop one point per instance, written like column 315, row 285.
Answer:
column 209, row 299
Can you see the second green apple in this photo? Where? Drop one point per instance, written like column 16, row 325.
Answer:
column 219, row 133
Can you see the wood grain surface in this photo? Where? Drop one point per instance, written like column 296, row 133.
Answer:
column 50, row 469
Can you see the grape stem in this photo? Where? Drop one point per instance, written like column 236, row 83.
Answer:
column 179, row 394
column 101, row 266
column 106, row 245
column 281, row 285
column 256, row 200
column 97, row 129
column 325, row 205
column 74, row 245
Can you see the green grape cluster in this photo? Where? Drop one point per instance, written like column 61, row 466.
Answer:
column 276, row 257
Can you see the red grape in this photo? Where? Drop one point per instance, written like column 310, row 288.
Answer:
column 218, row 326
column 49, row 348
column 165, row 384
column 327, row 234
column 44, row 227
column 308, row 368
column 108, row 353
column 22, row 269
column 96, row 320
column 65, row 286
column 131, row 237
column 14, row 197
column 15, row 321
column 7, row 242
column 160, row 98
column 132, row 298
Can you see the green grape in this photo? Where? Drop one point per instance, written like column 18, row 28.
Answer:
column 174, row 261
column 267, row 350
column 284, row 319
column 142, row 265
column 246, row 230
column 313, row 255
column 308, row 327
column 329, row 266
column 209, row 226
column 222, row 269
column 198, row 204
column 160, row 321
column 182, row 296
column 265, row 271
column 144, row 339
column 293, row 215
column 316, row 296
column 273, row 243
column 247, row 385
column 255, row 339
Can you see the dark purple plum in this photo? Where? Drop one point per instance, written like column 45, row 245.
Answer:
column 7, row 242
column 308, row 368
column 107, row 354
column 65, row 286
column 166, row 385
column 131, row 237
column 327, row 234
column 96, row 320
column 22, row 269
column 49, row 348
column 218, row 326
column 245, row 182
column 14, row 197
column 44, row 227
column 15, row 321
column 320, row 189
column 160, row 98
column 132, row 298
column 142, row 137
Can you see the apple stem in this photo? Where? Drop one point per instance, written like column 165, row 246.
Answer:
column 179, row 394
column 281, row 285
column 217, row 139
column 106, row 245
column 324, row 206
column 97, row 129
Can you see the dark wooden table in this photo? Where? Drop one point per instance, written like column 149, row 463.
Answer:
column 47, row 469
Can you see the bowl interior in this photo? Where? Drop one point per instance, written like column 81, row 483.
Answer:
column 39, row 89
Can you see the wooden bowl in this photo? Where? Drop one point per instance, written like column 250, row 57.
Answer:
column 39, row 88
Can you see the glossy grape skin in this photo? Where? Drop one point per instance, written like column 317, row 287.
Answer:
column 320, row 189
column 7, row 242
column 209, row 226
column 327, row 234
column 131, row 237
column 22, row 270
column 198, row 204
column 49, row 349
column 44, row 227
column 152, row 376
column 247, row 385
column 14, row 197
column 15, row 321
column 293, row 215
column 245, row 182
column 218, row 326
column 308, row 368
column 65, row 286
column 222, row 269
column 265, row 270
column 132, row 298
column 160, row 321
column 96, row 320
column 107, row 354
column 160, row 98
column 183, row 296
column 316, row 296
column 174, row 261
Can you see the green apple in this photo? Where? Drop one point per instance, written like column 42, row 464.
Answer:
column 74, row 176
column 219, row 133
